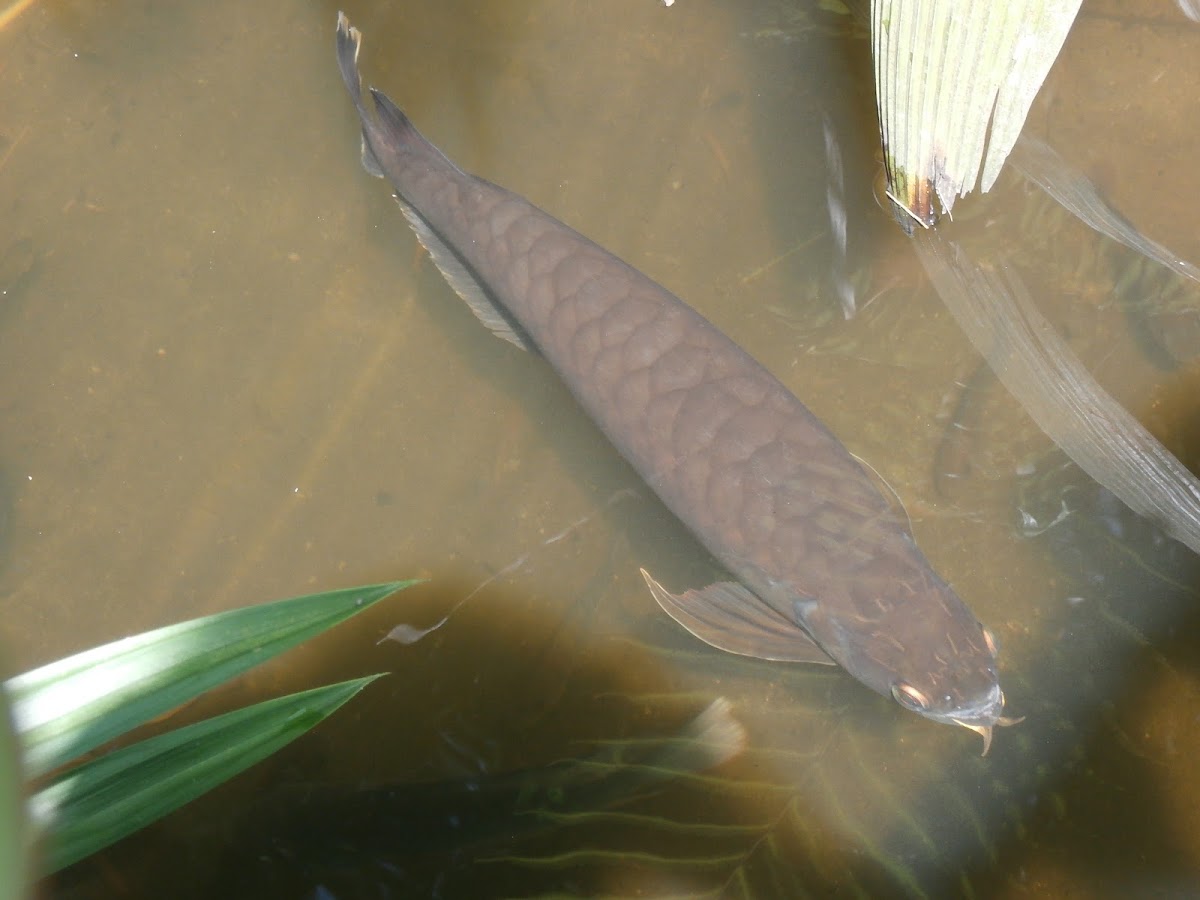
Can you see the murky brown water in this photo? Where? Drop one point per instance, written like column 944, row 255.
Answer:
column 227, row 376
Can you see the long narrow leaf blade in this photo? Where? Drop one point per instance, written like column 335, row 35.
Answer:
column 12, row 812
column 105, row 800
column 74, row 705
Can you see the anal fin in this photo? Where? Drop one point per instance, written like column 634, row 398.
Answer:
column 730, row 617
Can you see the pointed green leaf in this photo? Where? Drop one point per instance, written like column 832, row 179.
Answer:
column 104, row 800
column 69, row 707
column 13, row 834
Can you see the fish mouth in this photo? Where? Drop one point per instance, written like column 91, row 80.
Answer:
column 985, row 731
column 983, row 717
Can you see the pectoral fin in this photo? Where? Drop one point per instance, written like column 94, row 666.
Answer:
column 729, row 617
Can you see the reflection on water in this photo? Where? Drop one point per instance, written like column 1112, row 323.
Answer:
column 228, row 377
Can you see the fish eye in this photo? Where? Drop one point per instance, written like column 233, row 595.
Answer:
column 990, row 641
column 909, row 697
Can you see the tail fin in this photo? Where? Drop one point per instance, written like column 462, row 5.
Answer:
column 349, row 39
column 389, row 125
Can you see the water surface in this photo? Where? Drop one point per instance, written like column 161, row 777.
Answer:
column 228, row 376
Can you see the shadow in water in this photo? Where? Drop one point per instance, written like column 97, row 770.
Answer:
column 1110, row 824
column 468, row 771
column 512, row 753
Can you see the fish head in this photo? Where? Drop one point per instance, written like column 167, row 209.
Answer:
column 913, row 639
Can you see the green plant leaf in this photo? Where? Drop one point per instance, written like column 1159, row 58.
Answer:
column 13, row 833
column 74, row 705
column 104, row 800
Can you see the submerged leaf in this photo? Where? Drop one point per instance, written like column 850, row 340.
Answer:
column 1059, row 394
column 410, row 634
column 1039, row 163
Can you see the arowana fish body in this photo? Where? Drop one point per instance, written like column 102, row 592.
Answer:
column 826, row 567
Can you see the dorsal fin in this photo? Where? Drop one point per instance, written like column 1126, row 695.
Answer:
column 459, row 276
